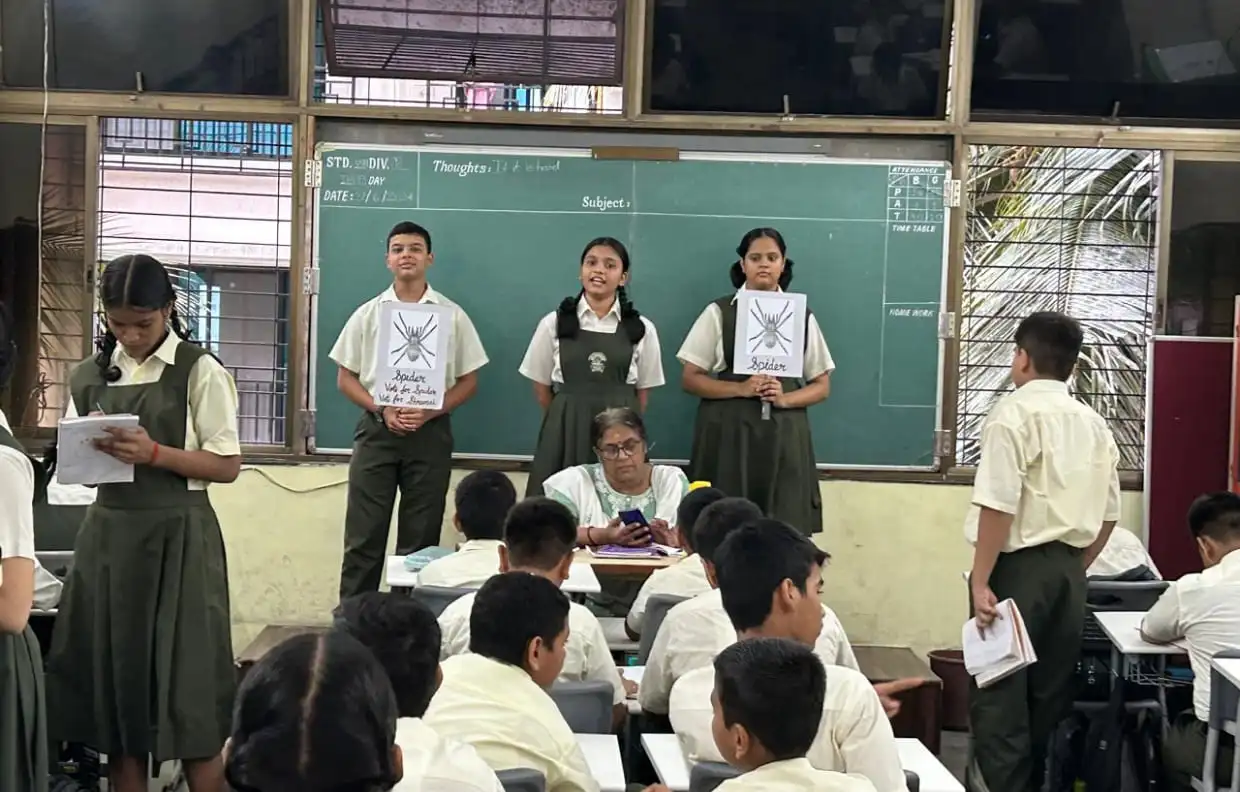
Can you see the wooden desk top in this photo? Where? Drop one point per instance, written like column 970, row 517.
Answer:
column 887, row 663
column 272, row 636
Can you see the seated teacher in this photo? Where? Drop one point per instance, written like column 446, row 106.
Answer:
column 595, row 351
column 770, row 462
column 622, row 480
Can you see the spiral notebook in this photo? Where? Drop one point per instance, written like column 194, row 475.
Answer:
column 1001, row 649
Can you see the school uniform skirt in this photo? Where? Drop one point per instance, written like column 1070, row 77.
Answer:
column 23, row 715
column 564, row 439
column 769, row 462
column 141, row 660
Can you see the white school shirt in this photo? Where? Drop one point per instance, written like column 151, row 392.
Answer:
column 587, row 658
column 696, row 630
column 1203, row 608
column 434, row 764
column 685, row 578
column 509, row 720
column 355, row 348
column 211, row 415
column 1050, row 461
column 542, row 358
column 854, row 735
column 1122, row 552
column 703, row 346
column 16, row 505
column 586, row 493
column 794, row 775
column 476, row 562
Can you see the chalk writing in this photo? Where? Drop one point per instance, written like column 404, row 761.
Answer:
column 603, row 204
column 923, row 313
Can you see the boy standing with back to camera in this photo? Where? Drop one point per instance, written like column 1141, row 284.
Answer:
column 1045, row 499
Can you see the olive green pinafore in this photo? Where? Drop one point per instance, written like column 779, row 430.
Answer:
column 141, row 661
column 595, row 368
column 769, row 462
column 23, row 710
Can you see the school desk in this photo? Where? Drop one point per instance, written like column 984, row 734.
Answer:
column 1132, row 655
column 672, row 767
column 581, row 577
column 1229, row 668
column 623, row 567
column 602, row 753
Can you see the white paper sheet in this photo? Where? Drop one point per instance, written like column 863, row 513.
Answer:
column 77, row 459
column 1002, row 649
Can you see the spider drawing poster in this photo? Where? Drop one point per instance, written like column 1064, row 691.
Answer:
column 411, row 355
column 770, row 334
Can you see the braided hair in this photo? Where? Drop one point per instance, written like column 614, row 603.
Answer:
column 567, row 325
column 134, row 281
column 742, row 250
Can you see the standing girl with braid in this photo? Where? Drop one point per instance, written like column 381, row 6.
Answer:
column 592, row 353
column 141, row 662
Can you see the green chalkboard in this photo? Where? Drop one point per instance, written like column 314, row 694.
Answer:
column 508, row 226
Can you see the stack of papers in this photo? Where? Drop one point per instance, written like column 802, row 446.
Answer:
column 1001, row 649
column 77, row 459
column 653, row 550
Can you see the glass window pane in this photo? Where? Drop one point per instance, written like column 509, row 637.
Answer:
column 1130, row 59
column 1203, row 276
column 177, row 46
column 882, row 58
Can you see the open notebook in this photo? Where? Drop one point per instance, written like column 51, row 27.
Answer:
column 1001, row 650
column 653, row 550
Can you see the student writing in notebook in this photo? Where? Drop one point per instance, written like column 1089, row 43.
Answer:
column 1203, row 608
column 483, row 499
column 766, row 702
column 1045, row 499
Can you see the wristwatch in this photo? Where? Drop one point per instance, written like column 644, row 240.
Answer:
column 378, row 416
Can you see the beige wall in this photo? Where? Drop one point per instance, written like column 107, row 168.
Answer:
column 895, row 579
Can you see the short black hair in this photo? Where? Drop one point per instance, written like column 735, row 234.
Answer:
column 512, row 609
column 718, row 520
column 408, row 227
column 404, row 636
column 317, row 708
column 754, row 561
column 775, row 689
column 1052, row 341
column 539, row 533
column 1215, row 515
column 483, row 499
column 690, row 509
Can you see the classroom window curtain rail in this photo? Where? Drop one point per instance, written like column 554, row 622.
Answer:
column 566, row 42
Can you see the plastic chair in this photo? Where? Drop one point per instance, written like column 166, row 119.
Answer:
column 705, row 776
column 912, row 781
column 656, row 611
column 522, row 779
column 586, row 706
column 1224, row 703
column 438, row 597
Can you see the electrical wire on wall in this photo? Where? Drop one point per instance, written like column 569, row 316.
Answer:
column 47, row 31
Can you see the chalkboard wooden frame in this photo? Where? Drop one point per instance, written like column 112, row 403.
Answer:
column 670, row 343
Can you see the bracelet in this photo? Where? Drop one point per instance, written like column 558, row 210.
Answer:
column 589, row 536
column 154, row 452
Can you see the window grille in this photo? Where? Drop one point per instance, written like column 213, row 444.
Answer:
column 1064, row 229
column 213, row 201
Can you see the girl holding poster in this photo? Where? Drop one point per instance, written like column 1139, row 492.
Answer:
column 593, row 353
column 752, row 435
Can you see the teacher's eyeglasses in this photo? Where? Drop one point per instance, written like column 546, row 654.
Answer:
column 610, row 453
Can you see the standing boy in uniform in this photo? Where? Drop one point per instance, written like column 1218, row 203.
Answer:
column 399, row 448
column 1045, row 499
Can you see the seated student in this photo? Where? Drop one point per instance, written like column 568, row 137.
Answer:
column 539, row 537
column 1123, row 557
column 687, row 577
column 1203, row 608
column 770, row 576
column 495, row 698
column 315, row 713
column 404, row 637
column 766, row 705
column 694, row 631
column 483, row 499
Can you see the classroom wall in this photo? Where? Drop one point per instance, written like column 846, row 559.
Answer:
column 895, row 579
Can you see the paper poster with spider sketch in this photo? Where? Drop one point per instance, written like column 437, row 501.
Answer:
column 412, row 355
column 770, row 334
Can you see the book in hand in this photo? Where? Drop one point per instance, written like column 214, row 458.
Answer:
column 999, row 651
column 653, row 550
column 77, row 459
